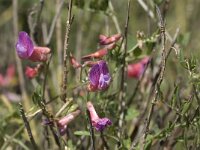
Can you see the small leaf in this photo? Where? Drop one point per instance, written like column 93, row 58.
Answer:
column 147, row 146
column 79, row 3
column 158, row 2
column 37, row 96
column 150, row 44
column 86, row 133
column 186, row 107
column 99, row 5
column 184, row 39
column 132, row 113
column 137, row 52
column 127, row 143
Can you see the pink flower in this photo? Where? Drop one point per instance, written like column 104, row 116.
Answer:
column 31, row 72
column 105, row 40
column 74, row 62
column 99, row 123
column 136, row 70
column 26, row 49
column 63, row 122
column 100, row 52
column 6, row 80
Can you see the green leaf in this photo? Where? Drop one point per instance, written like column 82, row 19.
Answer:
column 132, row 113
column 79, row 3
column 184, row 39
column 127, row 143
column 186, row 107
column 147, row 146
column 99, row 5
column 37, row 95
column 175, row 96
column 158, row 2
column 86, row 133
column 1, row 140
column 150, row 44
column 137, row 52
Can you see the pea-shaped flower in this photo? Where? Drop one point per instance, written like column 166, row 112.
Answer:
column 99, row 123
column 105, row 40
column 63, row 122
column 99, row 77
column 26, row 49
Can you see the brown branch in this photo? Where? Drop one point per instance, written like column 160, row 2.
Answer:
column 66, row 52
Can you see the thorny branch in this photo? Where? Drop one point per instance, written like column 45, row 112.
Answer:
column 27, row 126
column 160, row 75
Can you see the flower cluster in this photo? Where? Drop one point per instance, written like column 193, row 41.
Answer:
column 109, row 44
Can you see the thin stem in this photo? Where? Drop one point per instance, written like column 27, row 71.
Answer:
column 46, row 133
column 90, row 124
column 105, row 144
column 66, row 52
column 114, row 18
column 54, row 22
column 146, row 8
column 91, row 130
column 34, row 25
column 27, row 126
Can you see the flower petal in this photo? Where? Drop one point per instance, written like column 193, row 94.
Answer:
column 103, row 67
column 24, row 45
column 94, row 75
column 104, row 81
column 102, row 123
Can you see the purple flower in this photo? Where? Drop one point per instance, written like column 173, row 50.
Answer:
column 24, row 45
column 99, row 77
column 101, row 123
column 26, row 49
column 98, row 123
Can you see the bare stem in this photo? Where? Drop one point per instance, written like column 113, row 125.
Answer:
column 91, row 130
column 66, row 52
